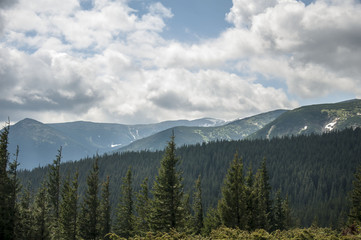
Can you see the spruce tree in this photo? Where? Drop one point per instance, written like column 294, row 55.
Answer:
column 233, row 203
column 263, row 200
column 197, row 207
column 355, row 211
column 105, row 209
column 125, row 218
column 6, row 229
column 167, row 211
column 187, row 215
column 142, row 208
column 68, row 214
column 14, row 189
column 41, row 215
column 54, row 194
column 89, row 214
column 279, row 214
column 25, row 226
column 251, row 200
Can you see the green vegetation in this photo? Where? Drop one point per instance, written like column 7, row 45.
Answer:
column 309, row 172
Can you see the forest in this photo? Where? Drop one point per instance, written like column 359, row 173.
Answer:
column 303, row 187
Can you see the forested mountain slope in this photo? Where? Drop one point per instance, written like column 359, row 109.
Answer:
column 315, row 171
column 235, row 130
column 314, row 119
column 38, row 141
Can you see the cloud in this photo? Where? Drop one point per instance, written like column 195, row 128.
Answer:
column 104, row 61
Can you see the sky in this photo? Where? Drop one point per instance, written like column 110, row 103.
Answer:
column 133, row 61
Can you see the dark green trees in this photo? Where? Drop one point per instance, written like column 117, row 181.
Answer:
column 105, row 209
column 355, row 211
column 233, row 203
column 53, row 187
column 167, row 210
column 125, row 217
column 9, row 187
column 143, row 208
column 68, row 212
column 89, row 215
column 197, row 207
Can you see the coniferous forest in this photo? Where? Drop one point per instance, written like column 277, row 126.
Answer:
column 304, row 187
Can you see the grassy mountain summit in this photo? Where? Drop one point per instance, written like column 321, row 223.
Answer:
column 315, row 119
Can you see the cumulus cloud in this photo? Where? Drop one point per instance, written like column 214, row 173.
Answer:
column 101, row 60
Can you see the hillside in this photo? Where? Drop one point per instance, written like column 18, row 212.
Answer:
column 235, row 130
column 315, row 119
column 38, row 142
column 316, row 171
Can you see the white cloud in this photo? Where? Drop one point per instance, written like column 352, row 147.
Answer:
column 110, row 63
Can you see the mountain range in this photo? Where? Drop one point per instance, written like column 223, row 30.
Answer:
column 38, row 142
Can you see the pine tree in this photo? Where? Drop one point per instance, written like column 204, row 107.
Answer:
column 41, row 214
column 125, row 217
column 197, row 207
column 233, row 203
column 105, row 210
column 167, row 212
column 68, row 214
column 54, row 195
column 142, row 207
column 355, row 211
column 89, row 214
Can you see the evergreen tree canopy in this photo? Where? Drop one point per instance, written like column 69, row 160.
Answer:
column 89, row 215
column 233, row 202
column 125, row 218
column 167, row 210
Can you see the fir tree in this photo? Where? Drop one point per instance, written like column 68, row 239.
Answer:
column 197, row 207
column 233, row 202
column 142, row 207
column 68, row 214
column 167, row 211
column 125, row 217
column 105, row 209
column 89, row 215
column 54, row 194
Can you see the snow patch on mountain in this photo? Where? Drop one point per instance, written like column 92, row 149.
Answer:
column 330, row 126
column 115, row 145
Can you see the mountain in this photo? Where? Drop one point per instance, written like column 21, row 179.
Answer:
column 39, row 142
column 314, row 119
column 235, row 130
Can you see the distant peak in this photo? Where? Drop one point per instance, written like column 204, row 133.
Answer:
column 29, row 121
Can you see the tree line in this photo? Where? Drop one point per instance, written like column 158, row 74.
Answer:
column 59, row 211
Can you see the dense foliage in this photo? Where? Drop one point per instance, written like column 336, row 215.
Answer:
column 315, row 172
